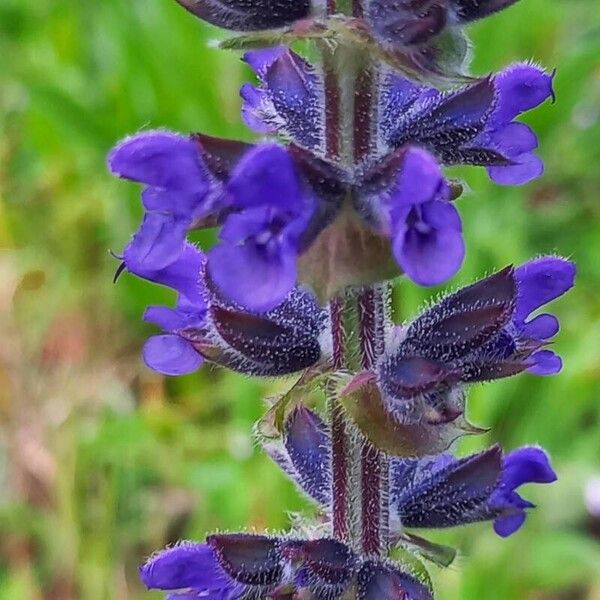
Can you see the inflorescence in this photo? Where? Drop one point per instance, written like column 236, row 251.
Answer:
column 347, row 190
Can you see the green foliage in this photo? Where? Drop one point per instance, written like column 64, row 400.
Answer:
column 101, row 461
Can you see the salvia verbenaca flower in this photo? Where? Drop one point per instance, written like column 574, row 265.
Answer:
column 429, row 492
column 236, row 566
column 273, row 201
column 480, row 333
column 474, row 125
column 203, row 326
column 346, row 191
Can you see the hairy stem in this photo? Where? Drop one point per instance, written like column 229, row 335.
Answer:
column 358, row 317
column 363, row 114
column 372, row 315
column 346, row 444
column 332, row 107
column 360, row 471
column 372, row 311
column 339, row 445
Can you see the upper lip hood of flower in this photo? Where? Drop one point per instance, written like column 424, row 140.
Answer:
column 241, row 15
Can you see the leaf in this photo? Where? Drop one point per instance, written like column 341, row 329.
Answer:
column 272, row 424
column 439, row 554
column 408, row 562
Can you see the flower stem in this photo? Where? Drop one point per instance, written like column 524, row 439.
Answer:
column 372, row 314
column 339, row 445
column 374, row 468
column 358, row 316
column 363, row 113
column 360, row 471
column 357, row 8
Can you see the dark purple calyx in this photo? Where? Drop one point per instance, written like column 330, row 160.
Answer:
column 248, row 15
column 249, row 559
column 445, row 492
column 325, row 566
column 282, row 341
column 406, row 22
column 380, row 581
column 464, row 321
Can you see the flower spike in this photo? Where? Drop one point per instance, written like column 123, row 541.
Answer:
column 347, row 191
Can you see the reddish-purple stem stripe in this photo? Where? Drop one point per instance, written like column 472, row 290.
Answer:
column 363, row 113
column 371, row 311
column 371, row 477
column 339, row 440
column 340, row 480
column 367, row 311
column 337, row 332
column 332, row 110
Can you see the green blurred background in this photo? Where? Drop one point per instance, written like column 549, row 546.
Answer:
column 102, row 461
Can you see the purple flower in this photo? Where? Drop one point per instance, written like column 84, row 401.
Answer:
column 183, row 179
column 255, row 263
column 525, row 465
column 177, row 189
column 203, row 326
column 474, row 125
column 169, row 353
column 289, row 99
column 480, row 333
column 189, row 569
column 237, row 566
column 540, row 281
column 407, row 197
column 264, row 198
column 444, row 491
column 240, row 15
column 430, row 492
